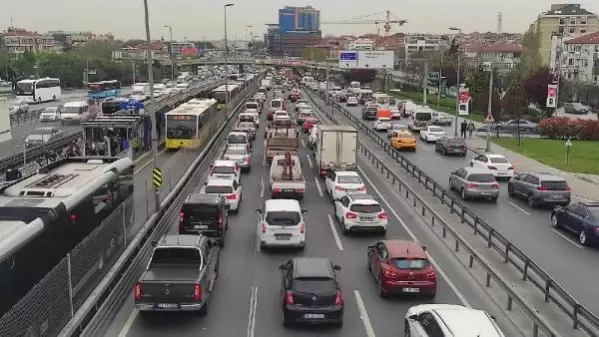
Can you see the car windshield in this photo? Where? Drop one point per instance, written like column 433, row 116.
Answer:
column 436, row 130
column 412, row 264
column 251, row 106
column 456, row 141
column 594, row 212
column 200, row 211
column 41, row 132
column 349, row 180
column 72, row 110
column 370, row 208
column 481, row 178
column 177, row 256
column 219, row 189
column 246, row 125
column 24, row 88
column 314, row 285
column 282, row 218
column 499, row 160
column 50, row 110
column 275, row 104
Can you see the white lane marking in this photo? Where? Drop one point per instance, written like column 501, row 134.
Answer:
column 364, row 314
column 318, row 186
column 303, row 143
column 261, row 188
column 518, row 208
column 264, row 160
column 563, row 236
column 309, row 161
column 252, row 315
column 335, row 234
column 129, row 323
column 150, row 161
column 413, row 236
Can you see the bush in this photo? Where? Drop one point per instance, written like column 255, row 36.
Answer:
column 563, row 127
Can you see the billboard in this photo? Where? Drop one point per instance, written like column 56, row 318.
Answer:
column 366, row 59
column 551, row 95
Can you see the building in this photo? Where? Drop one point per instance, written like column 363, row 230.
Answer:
column 299, row 18
column 503, row 57
column 418, row 44
column 579, row 59
column 362, row 44
column 565, row 20
column 273, row 41
column 293, row 43
column 18, row 41
column 179, row 47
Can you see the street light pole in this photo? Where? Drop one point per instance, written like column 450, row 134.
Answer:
column 226, row 62
column 170, row 29
column 489, row 106
column 439, row 84
column 457, row 93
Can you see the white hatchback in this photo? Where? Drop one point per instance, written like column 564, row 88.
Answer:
column 432, row 134
column 228, row 188
column 281, row 224
column 340, row 183
column 360, row 212
column 382, row 124
column 498, row 164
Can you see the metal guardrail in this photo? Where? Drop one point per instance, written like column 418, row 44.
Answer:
column 553, row 292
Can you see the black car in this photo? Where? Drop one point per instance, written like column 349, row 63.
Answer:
column 310, row 292
column 451, row 145
column 205, row 214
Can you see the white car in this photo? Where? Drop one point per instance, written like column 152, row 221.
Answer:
column 261, row 96
column 281, row 224
column 225, row 169
column 432, row 134
column 449, row 321
column 395, row 114
column 352, row 101
column 360, row 212
column 228, row 188
column 382, row 124
column 50, row 114
column 300, row 105
column 498, row 164
column 280, row 114
column 340, row 183
column 256, row 116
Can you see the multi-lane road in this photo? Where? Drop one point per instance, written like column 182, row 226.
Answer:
column 556, row 251
column 246, row 301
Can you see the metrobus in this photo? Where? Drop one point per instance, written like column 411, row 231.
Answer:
column 186, row 125
column 104, row 89
column 220, row 93
column 46, row 215
column 38, row 91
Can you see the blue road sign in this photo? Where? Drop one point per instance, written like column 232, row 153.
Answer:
column 131, row 105
column 348, row 56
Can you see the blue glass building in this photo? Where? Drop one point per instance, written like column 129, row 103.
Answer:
column 299, row 19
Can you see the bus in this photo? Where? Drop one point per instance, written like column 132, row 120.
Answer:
column 186, row 126
column 112, row 105
column 38, row 91
column 44, row 216
column 220, row 93
column 104, row 89
column 381, row 99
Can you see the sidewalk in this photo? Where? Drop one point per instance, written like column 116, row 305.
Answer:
column 584, row 186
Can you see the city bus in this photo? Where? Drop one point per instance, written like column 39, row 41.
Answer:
column 381, row 99
column 104, row 89
column 38, row 91
column 220, row 93
column 186, row 125
column 45, row 216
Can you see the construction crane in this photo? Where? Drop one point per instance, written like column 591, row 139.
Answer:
column 387, row 22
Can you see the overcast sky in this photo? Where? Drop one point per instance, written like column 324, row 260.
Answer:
column 197, row 19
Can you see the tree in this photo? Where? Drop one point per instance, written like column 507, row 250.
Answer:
column 531, row 60
column 514, row 102
column 535, row 87
column 478, row 83
column 314, row 54
column 360, row 75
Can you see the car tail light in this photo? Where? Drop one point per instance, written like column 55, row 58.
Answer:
column 221, row 223
column 389, row 273
column 246, row 159
column 568, row 188
column 323, row 172
column 511, row 168
column 382, row 216
column 289, row 298
column 430, row 274
column 362, row 188
column 226, row 157
column 197, row 292
column 492, row 167
column 299, row 190
column 276, row 190
column 351, row 215
column 596, row 229
column 338, row 188
column 472, row 186
column 232, row 197
column 137, row 291
column 338, row 299
column 263, row 227
column 495, row 185
column 302, row 228
column 542, row 188
column 73, row 218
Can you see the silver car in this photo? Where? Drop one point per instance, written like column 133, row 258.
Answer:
column 474, row 183
column 540, row 189
column 42, row 136
column 240, row 155
column 512, row 125
column 395, row 127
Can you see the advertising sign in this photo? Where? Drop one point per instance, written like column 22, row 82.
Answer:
column 551, row 95
column 463, row 100
column 348, row 59
column 366, row 59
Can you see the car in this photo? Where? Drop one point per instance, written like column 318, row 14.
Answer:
column 251, row 117
column 432, row 134
column 309, row 124
column 310, row 291
column 205, row 214
column 237, row 138
column 18, row 107
column 580, row 218
column 41, row 136
column 443, row 119
column 280, row 114
column 403, row 140
column 451, row 145
column 395, row 114
column 512, row 125
column 338, row 183
column 229, row 188
column 352, row 101
column 360, row 212
column 226, row 168
column 248, row 127
column 401, row 267
column 497, row 163
column 540, row 188
column 447, row 320
column 395, row 127
column 51, row 114
column 382, row 124
column 240, row 155
column 282, row 224
column 303, row 115
column 576, row 108
column 474, row 183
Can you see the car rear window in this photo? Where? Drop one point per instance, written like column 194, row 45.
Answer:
column 219, row 189
column 412, row 264
column 251, row 106
column 237, row 139
column 498, row 160
column 223, row 170
column 247, row 124
column 320, row 285
column 201, row 211
column 436, row 130
column 275, row 104
column 283, row 218
column 176, row 256
column 594, row 211
column 456, row 141
column 481, row 178
column 365, row 208
column 558, row 185
column 349, row 180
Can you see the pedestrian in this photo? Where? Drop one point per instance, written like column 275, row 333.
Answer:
column 470, row 129
column 463, row 128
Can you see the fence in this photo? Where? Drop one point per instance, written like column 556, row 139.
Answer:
column 581, row 317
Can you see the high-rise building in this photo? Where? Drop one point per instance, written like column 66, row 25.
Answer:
column 299, row 19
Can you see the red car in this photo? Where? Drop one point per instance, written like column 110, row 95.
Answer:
column 309, row 123
column 401, row 267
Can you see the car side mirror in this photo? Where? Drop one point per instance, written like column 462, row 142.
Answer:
column 258, row 210
column 424, row 248
column 205, row 183
column 282, row 267
column 371, row 247
column 305, row 211
column 413, row 317
column 337, row 267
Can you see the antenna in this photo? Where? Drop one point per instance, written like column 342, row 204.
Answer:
column 499, row 22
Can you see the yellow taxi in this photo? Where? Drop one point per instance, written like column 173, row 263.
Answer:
column 403, row 140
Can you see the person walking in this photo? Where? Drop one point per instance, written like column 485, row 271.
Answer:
column 470, row 129
column 463, row 128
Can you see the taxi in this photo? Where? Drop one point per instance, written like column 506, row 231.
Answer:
column 403, row 140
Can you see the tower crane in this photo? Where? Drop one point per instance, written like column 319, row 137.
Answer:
column 386, row 23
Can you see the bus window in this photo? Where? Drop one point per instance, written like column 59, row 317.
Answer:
column 181, row 127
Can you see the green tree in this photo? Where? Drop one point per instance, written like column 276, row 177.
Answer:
column 531, row 59
column 514, row 102
column 314, row 54
column 478, row 83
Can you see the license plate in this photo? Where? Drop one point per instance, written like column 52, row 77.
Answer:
column 485, row 193
column 167, row 305
column 366, row 219
column 411, row 290
column 288, row 190
column 502, row 173
column 283, row 237
column 200, row 227
column 555, row 196
column 314, row 316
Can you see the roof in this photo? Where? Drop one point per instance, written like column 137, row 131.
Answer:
column 282, row 204
column 75, row 104
column 567, row 9
column 333, row 127
column 592, row 38
column 405, row 248
column 494, row 155
column 544, row 175
column 203, row 198
column 347, row 173
column 364, row 199
column 479, row 322
column 228, row 163
column 312, row 267
column 477, row 170
column 179, row 240
column 219, row 182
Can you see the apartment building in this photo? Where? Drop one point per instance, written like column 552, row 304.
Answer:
column 18, row 41
column 504, row 57
column 579, row 59
column 418, row 44
column 362, row 44
column 179, row 47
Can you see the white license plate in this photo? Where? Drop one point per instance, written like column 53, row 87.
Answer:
column 502, row 173
column 283, row 238
column 200, row 227
column 485, row 193
column 314, row 316
column 167, row 305
column 555, row 196
column 288, row 190
column 366, row 219
column 410, row 290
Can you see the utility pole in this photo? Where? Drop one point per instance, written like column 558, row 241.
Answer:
column 457, row 87
column 134, row 70
column 326, row 82
column 425, row 82
column 489, row 107
column 440, row 79
column 226, row 62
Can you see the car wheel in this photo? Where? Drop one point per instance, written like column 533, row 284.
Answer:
column 582, row 238
column 443, row 151
column 510, row 192
column 531, row 201
column 554, row 221
column 343, row 228
column 286, row 322
column 463, row 194
column 204, row 310
column 379, row 288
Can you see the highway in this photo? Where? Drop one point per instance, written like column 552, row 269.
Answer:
column 556, row 251
column 246, row 300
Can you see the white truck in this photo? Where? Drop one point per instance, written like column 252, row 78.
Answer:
column 286, row 178
column 421, row 118
column 266, row 83
column 336, row 148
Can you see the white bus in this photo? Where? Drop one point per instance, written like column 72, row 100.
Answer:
column 38, row 91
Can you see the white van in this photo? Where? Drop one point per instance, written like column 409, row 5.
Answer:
column 281, row 224
column 450, row 321
column 75, row 112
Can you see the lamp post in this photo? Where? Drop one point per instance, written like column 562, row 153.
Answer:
column 488, row 66
column 226, row 61
column 170, row 29
column 457, row 93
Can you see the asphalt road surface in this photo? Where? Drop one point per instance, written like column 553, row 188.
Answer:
column 556, row 251
column 246, row 300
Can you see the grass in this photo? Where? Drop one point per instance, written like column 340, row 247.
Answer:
column 584, row 155
column 446, row 104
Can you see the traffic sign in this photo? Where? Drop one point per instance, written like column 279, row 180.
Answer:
column 157, row 177
column 568, row 142
column 131, row 104
column 489, row 119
